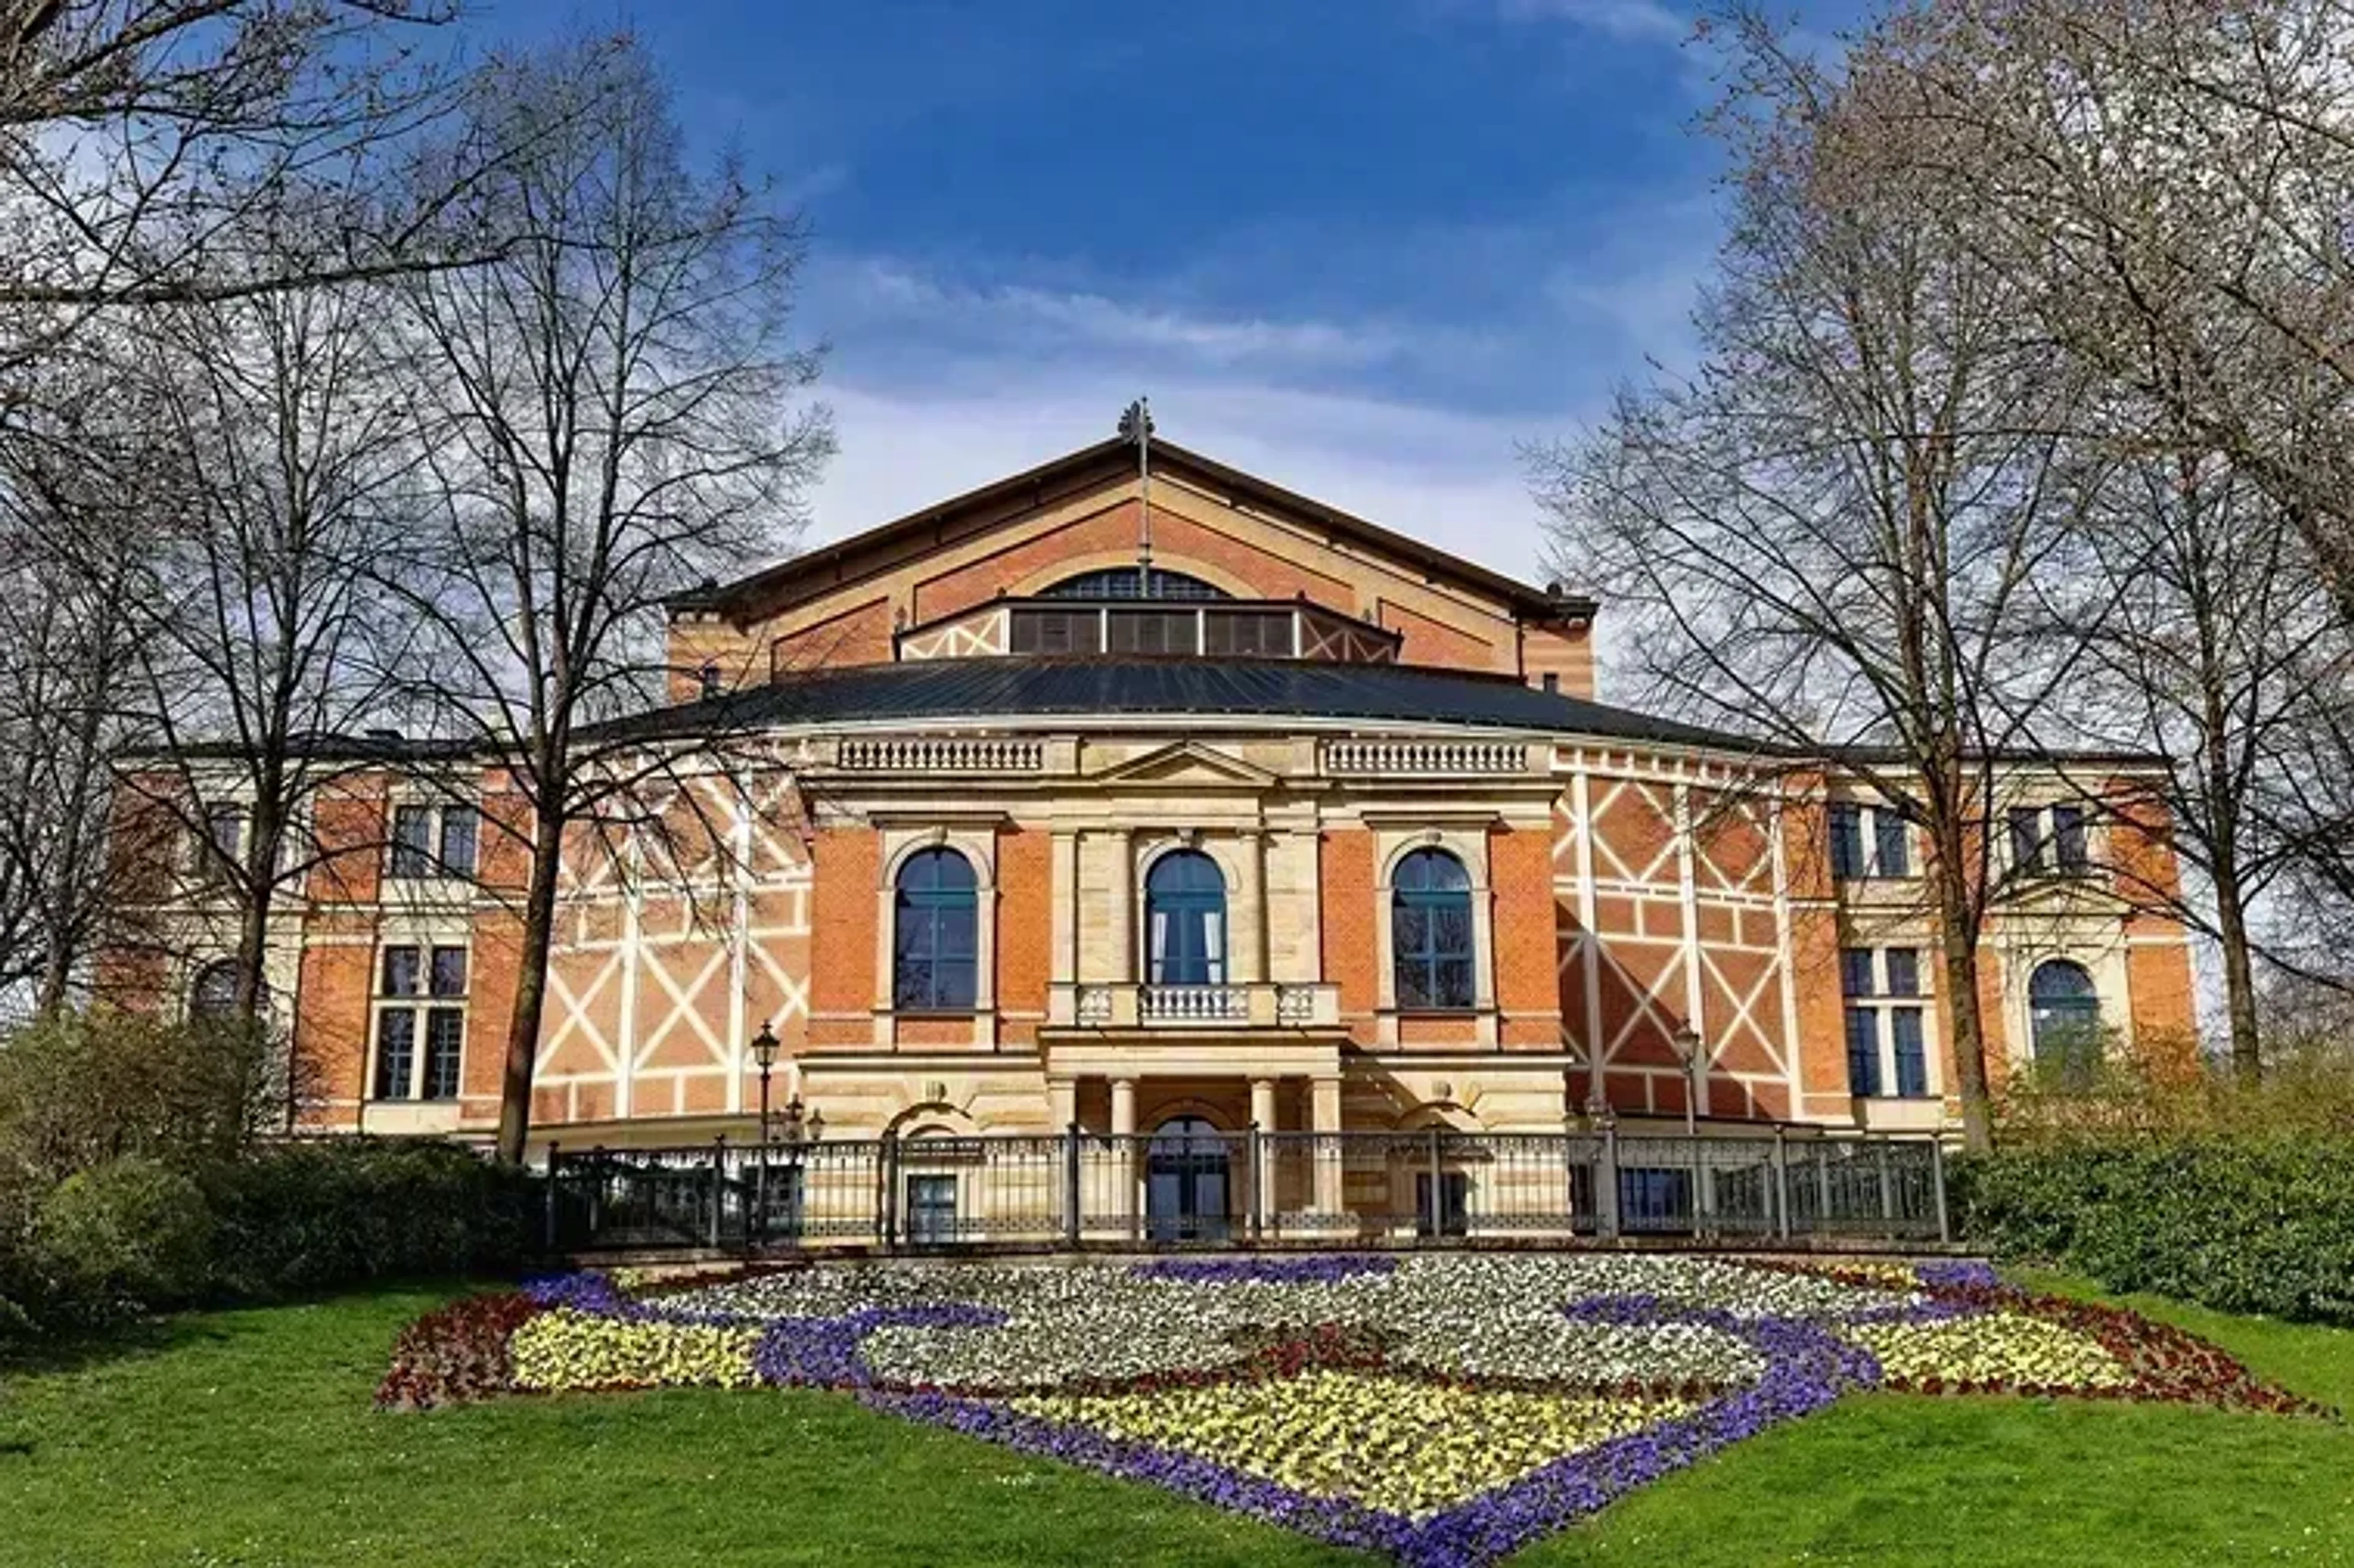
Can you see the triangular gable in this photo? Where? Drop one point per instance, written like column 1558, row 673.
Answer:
column 1186, row 762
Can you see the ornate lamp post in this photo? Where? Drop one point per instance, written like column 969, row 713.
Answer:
column 1686, row 1041
column 764, row 1052
column 800, row 1129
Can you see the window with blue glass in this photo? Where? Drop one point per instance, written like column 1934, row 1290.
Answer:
column 2064, row 1019
column 1869, row 842
column 1887, row 1048
column 1185, row 920
column 1430, row 930
column 935, row 952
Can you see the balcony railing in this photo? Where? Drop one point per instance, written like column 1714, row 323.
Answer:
column 1772, row 1188
column 1262, row 1004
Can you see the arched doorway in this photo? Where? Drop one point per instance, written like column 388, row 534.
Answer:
column 2064, row 1011
column 1186, row 1189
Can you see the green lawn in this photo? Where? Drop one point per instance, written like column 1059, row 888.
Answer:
column 245, row 1438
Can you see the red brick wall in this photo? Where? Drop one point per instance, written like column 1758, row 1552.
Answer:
column 859, row 635
column 1527, row 950
column 1025, row 927
column 331, row 1029
column 1346, row 926
column 847, row 870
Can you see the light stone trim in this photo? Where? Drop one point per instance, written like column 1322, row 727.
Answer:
column 939, row 754
column 1424, row 756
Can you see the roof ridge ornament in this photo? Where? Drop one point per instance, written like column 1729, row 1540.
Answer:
column 1135, row 430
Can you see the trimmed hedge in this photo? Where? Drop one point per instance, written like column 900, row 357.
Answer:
column 286, row 1219
column 2243, row 1223
column 310, row 1216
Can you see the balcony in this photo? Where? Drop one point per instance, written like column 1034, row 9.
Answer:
column 1258, row 1004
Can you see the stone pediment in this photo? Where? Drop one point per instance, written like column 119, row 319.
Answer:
column 1186, row 764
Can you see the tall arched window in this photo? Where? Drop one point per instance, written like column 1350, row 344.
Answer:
column 2066, row 1013
column 1185, row 920
column 1430, row 930
column 938, row 917
column 214, row 992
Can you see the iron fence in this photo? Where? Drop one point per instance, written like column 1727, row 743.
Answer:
column 1200, row 1188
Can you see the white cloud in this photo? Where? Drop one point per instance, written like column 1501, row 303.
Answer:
column 1634, row 20
column 1450, row 479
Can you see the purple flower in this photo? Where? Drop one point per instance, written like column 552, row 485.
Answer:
column 1329, row 1268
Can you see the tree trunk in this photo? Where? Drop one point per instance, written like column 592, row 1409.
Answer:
column 531, row 987
column 2239, row 975
column 1957, row 937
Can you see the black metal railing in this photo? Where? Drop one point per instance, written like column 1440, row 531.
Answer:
column 1079, row 1189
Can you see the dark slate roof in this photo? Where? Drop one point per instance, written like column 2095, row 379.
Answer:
column 1002, row 688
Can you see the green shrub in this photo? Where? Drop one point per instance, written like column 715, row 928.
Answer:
column 2258, row 1222
column 128, row 1233
column 310, row 1216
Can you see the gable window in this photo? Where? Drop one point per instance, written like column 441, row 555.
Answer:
column 1128, row 582
column 2050, row 840
column 935, row 965
column 1153, row 631
column 420, row 1022
column 434, row 840
column 1887, row 1050
column 1185, row 920
column 1869, row 841
column 1430, row 930
column 1247, row 633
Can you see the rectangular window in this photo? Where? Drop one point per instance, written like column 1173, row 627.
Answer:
column 1864, row 1051
column 1154, row 631
column 1889, row 842
column 419, row 1048
column 220, row 852
column 1057, row 632
column 931, row 1208
column 1890, row 1058
column 1453, row 1216
column 1912, row 1058
column 2067, row 847
column 2027, row 839
column 412, row 840
column 1247, row 633
column 461, row 836
column 1847, row 840
column 445, row 1045
column 396, row 1051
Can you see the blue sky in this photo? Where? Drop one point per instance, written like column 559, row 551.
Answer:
column 1364, row 249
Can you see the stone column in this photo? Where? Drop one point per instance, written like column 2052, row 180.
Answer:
column 1264, row 1173
column 1125, row 1162
column 1324, row 1116
column 1250, row 943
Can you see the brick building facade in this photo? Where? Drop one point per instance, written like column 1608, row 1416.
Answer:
column 1308, row 825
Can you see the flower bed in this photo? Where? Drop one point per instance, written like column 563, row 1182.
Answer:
column 1442, row 1409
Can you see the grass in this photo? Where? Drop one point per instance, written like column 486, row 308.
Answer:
column 245, row 1438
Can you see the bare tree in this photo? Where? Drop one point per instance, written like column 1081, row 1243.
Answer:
column 2208, row 642
column 68, row 697
column 613, row 422
column 277, row 465
column 2169, row 183
column 138, row 138
column 1824, row 534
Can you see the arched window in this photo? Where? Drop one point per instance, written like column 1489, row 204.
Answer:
column 1185, row 920
column 1127, row 582
column 2065, row 1012
column 933, row 956
column 214, row 992
column 1430, row 930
